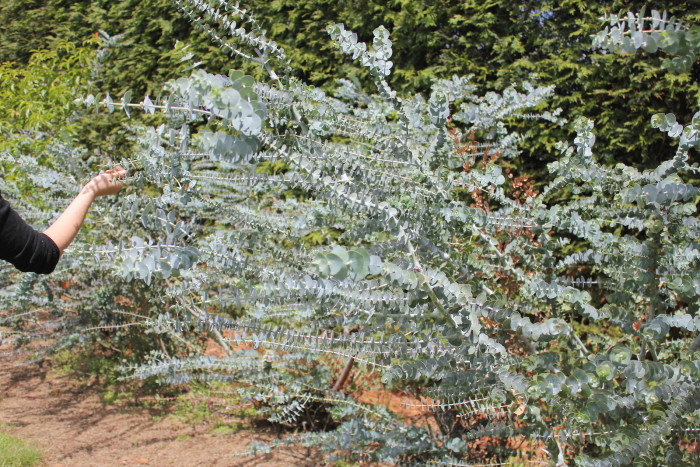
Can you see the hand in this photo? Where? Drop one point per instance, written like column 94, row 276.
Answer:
column 106, row 183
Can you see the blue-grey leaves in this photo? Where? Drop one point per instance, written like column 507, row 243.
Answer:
column 667, row 123
column 231, row 100
column 658, row 32
column 376, row 59
column 341, row 263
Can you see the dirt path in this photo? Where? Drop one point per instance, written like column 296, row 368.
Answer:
column 74, row 428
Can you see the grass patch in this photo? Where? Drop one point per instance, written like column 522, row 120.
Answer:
column 191, row 413
column 225, row 428
column 15, row 452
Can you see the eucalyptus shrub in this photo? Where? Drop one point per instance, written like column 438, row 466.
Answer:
column 299, row 226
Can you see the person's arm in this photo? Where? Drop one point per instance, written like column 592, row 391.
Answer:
column 66, row 227
column 24, row 247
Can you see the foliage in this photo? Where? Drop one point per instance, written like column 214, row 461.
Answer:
column 566, row 317
column 141, row 36
column 140, row 39
column 498, row 42
column 663, row 33
column 38, row 94
column 35, row 96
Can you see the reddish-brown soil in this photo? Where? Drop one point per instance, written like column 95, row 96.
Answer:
column 70, row 423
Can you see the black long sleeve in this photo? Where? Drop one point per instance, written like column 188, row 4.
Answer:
column 24, row 247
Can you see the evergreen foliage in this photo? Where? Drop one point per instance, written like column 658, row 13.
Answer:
column 498, row 42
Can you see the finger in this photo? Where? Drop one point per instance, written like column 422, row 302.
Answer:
column 117, row 172
column 120, row 172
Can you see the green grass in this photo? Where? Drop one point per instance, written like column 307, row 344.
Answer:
column 17, row 453
column 221, row 428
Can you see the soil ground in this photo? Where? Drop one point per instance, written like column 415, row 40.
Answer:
column 74, row 427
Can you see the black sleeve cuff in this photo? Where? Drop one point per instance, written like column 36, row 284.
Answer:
column 53, row 254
